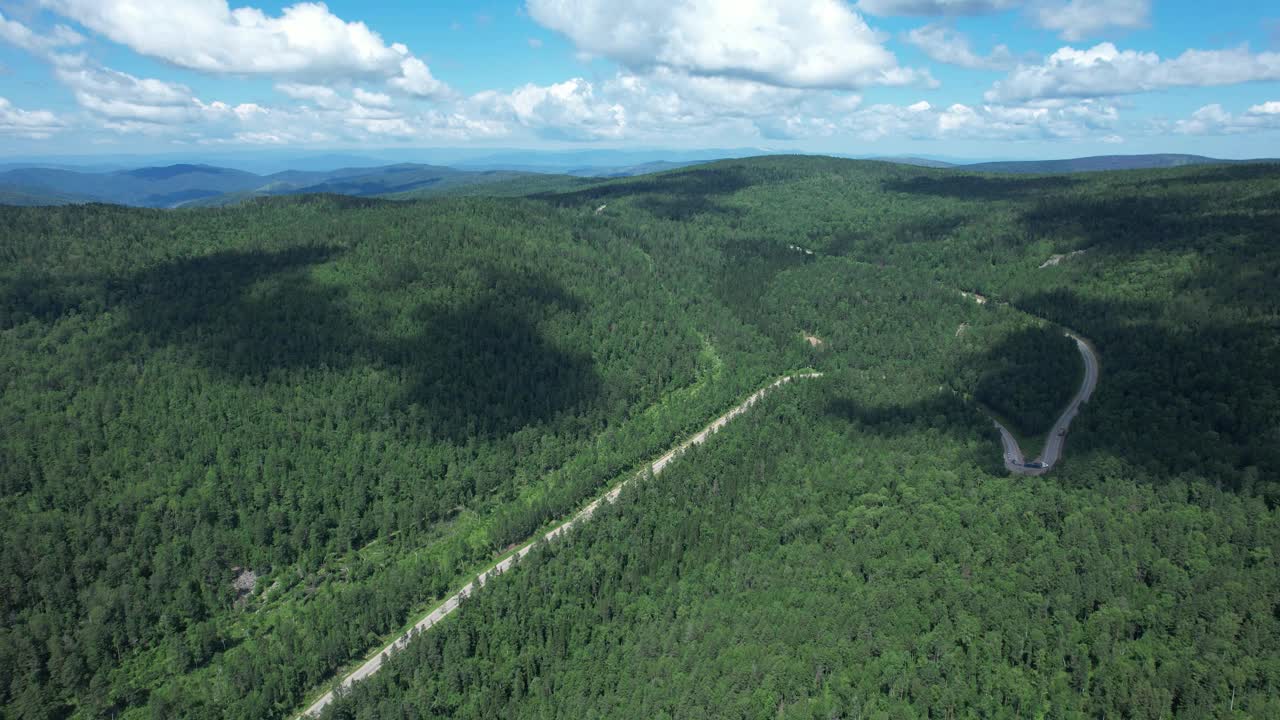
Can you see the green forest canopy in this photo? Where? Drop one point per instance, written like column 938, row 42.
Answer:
column 363, row 401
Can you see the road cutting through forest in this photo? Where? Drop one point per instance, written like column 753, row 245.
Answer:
column 1014, row 461
column 453, row 601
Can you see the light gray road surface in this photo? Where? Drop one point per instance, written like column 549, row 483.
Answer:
column 1013, row 458
column 451, row 604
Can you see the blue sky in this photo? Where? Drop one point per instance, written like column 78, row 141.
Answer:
column 960, row 78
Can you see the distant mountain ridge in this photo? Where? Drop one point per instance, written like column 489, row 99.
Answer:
column 362, row 182
column 915, row 161
column 187, row 184
column 147, row 187
column 171, row 171
column 181, row 185
column 269, row 162
column 1099, row 163
column 19, row 195
column 192, row 184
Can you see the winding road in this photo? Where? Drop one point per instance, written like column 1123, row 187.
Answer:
column 453, row 601
column 1014, row 460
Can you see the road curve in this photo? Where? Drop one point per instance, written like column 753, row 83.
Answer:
column 1013, row 459
column 375, row 663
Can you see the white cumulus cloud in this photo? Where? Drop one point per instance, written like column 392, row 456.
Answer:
column 663, row 103
column 372, row 99
column 1072, row 19
column 1214, row 120
column 937, row 7
column 121, row 97
column 946, row 45
column 319, row 95
column 1104, row 70
column 324, row 115
column 125, row 103
column 15, row 33
column 32, row 124
column 305, row 39
column 1080, row 19
column 116, row 100
column 959, row 121
column 572, row 109
column 803, row 44
column 416, row 79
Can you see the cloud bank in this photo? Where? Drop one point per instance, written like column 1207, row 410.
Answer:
column 305, row 40
column 1104, row 70
column 800, row 44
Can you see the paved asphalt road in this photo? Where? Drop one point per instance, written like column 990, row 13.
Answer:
column 1013, row 458
column 451, row 604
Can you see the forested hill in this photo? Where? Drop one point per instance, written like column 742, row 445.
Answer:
column 243, row 446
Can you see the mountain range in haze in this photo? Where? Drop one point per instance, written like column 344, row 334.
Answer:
column 186, row 185
column 191, row 184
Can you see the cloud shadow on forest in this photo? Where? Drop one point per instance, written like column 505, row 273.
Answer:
column 1171, row 400
column 977, row 187
column 215, row 306
column 677, row 195
column 1174, row 399
column 944, row 413
column 1132, row 218
column 481, row 369
column 1186, row 384
column 876, row 245
column 1231, row 242
column 1218, row 174
column 488, row 367
column 748, row 270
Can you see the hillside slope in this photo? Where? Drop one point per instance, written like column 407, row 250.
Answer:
column 266, row 437
column 847, row 550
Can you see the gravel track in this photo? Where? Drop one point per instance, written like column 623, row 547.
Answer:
column 453, row 601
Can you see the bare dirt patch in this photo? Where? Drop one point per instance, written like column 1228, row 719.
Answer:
column 244, row 583
column 814, row 340
column 1054, row 260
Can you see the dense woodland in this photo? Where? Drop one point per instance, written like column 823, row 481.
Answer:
column 364, row 402
column 1031, row 384
column 807, row 567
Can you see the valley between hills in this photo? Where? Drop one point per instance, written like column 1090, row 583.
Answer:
column 372, row 404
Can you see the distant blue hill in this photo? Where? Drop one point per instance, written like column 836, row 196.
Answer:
column 1097, row 164
column 191, row 184
column 186, row 185
column 148, row 187
column 173, row 171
